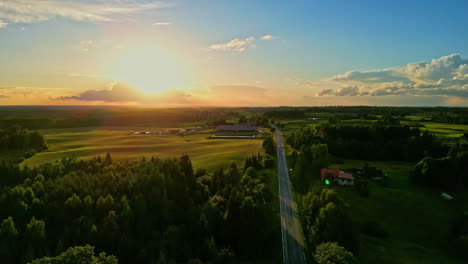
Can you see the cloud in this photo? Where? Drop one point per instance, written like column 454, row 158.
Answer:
column 445, row 76
column 86, row 45
column 4, row 96
column 235, row 45
column 3, row 24
column 31, row 11
column 269, row 37
column 162, row 24
column 117, row 92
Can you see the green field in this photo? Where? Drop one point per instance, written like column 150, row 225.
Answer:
column 417, row 220
column 446, row 130
column 90, row 142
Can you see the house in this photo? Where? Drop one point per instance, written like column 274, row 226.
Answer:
column 338, row 176
column 236, row 128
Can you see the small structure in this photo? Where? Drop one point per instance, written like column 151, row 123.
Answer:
column 338, row 176
column 236, row 128
column 446, row 196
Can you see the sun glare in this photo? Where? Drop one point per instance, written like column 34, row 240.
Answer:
column 150, row 70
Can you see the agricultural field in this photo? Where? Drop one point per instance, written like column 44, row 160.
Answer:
column 90, row 142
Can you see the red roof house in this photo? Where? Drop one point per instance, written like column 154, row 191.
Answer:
column 339, row 176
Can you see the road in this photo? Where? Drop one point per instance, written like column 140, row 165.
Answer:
column 291, row 230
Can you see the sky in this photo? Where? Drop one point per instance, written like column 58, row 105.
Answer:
column 173, row 53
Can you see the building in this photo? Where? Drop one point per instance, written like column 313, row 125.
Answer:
column 337, row 176
column 236, row 128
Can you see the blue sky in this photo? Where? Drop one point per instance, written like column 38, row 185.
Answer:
column 192, row 51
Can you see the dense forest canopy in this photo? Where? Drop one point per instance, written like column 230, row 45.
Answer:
column 138, row 211
column 371, row 142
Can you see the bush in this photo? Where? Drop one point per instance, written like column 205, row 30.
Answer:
column 332, row 253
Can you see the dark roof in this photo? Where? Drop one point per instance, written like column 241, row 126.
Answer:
column 236, row 128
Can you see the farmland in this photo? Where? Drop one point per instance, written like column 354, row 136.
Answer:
column 90, row 142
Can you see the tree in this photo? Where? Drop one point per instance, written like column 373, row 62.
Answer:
column 269, row 145
column 8, row 240
column 303, row 170
column 334, row 224
column 242, row 120
column 108, row 159
column 7, row 229
column 332, row 253
column 35, row 237
column 78, row 255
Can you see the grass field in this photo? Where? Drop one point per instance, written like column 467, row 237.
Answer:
column 90, row 142
column 446, row 130
column 417, row 220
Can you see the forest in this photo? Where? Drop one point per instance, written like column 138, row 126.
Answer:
column 371, row 142
column 15, row 139
column 147, row 211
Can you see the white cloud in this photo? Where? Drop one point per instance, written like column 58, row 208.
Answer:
column 3, row 24
column 30, row 11
column 162, row 24
column 269, row 37
column 236, row 45
column 446, row 76
column 86, row 45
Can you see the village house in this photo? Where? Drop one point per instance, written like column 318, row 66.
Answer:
column 337, row 176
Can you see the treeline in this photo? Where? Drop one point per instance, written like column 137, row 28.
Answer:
column 363, row 111
column 16, row 138
column 371, row 142
column 71, row 117
column 307, row 164
column 148, row 211
column 460, row 117
column 222, row 120
column 326, row 219
column 450, row 172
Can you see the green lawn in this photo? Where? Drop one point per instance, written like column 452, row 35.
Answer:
column 417, row 219
column 89, row 142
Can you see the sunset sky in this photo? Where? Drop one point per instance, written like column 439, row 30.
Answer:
column 233, row 53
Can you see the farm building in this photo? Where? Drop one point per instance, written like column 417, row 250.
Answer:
column 236, row 128
column 338, row 176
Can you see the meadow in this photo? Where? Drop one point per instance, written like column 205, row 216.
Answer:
column 416, row 219
column 88, row 142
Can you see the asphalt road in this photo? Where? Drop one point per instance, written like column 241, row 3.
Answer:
column 291, row 231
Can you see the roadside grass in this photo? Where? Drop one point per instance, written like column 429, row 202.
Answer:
column 122, row 145
column 417, row 220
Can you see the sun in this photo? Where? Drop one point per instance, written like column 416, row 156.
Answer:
column 149, row 70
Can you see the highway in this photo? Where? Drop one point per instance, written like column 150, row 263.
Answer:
column 291, row 230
